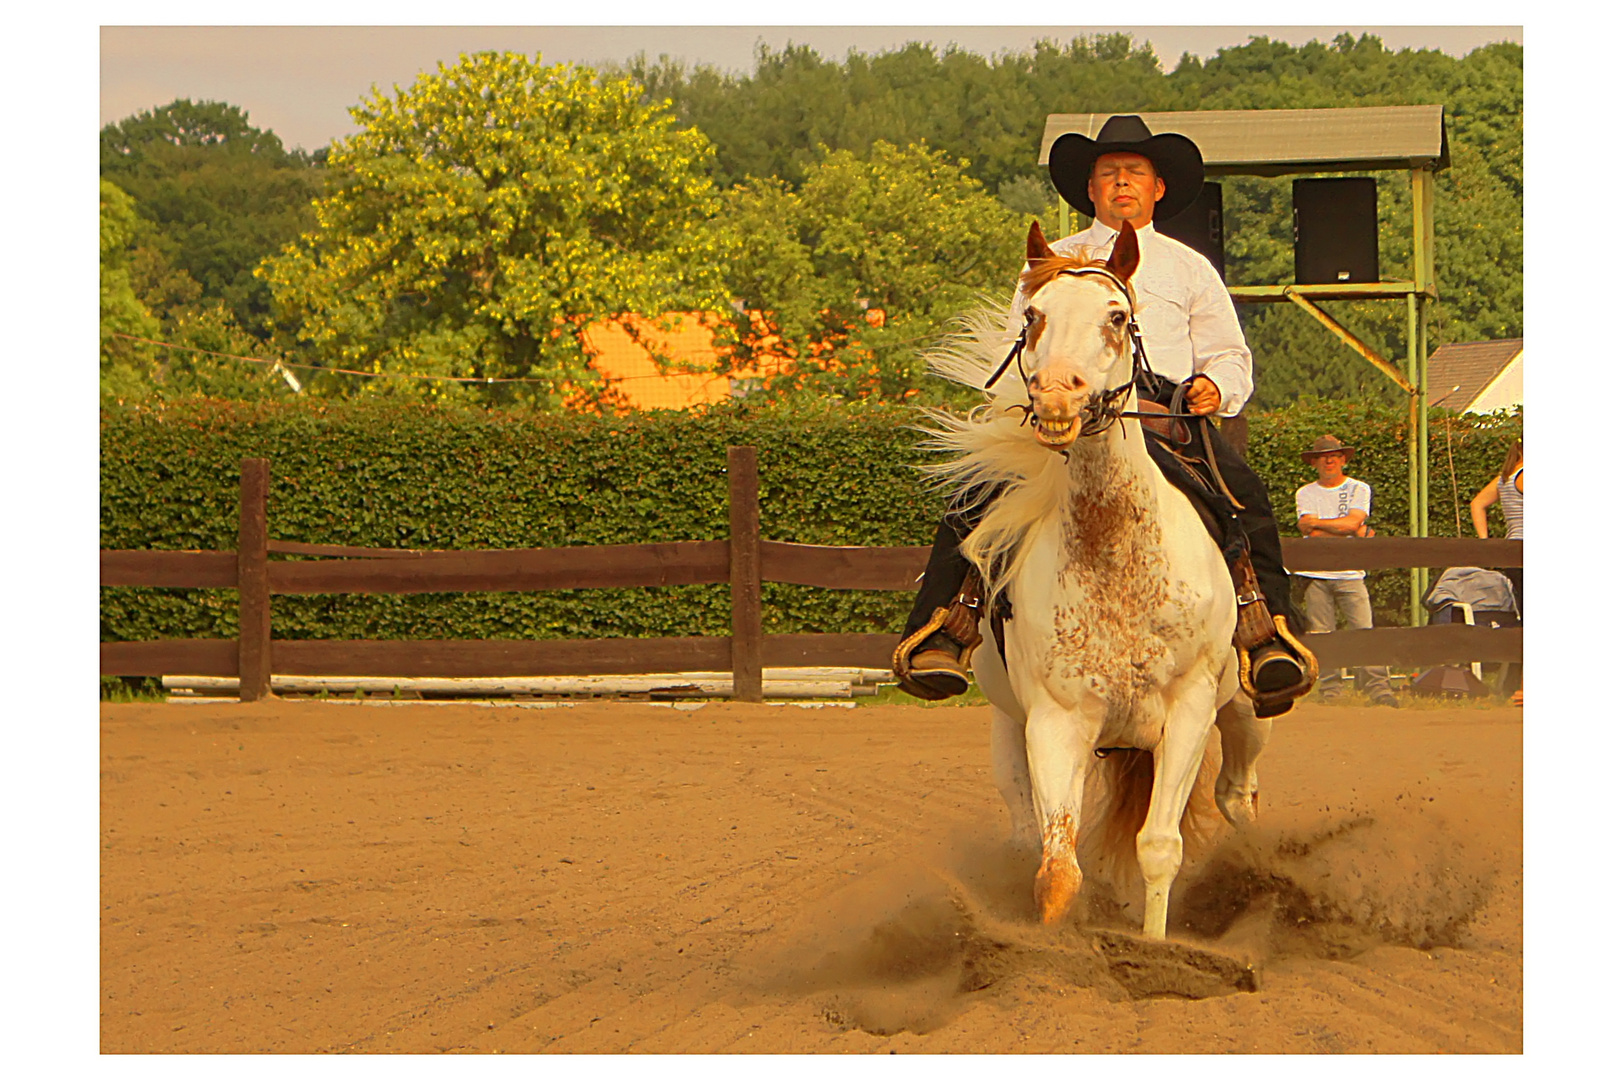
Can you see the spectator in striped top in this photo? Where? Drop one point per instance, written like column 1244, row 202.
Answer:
column 1506, row 490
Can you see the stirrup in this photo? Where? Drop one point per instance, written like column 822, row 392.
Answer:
column 937, row 680
column 944, row 675
column 1284, row 649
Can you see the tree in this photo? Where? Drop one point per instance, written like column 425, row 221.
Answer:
column 991, row 115
column 863, row 267
column 203, row 336
column 123, row 361
column 481, row 218
column 219, row 193
column 489, row 210
column 185, row 123
column 1478, row 207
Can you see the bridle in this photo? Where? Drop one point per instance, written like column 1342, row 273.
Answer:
column 1106, row 407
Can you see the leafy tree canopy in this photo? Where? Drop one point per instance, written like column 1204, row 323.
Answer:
column 219, row 193
column 990, row 113
column 143, row 297
column 484, row 215
column 121, row 310
column 865, row 265
column 135, row 140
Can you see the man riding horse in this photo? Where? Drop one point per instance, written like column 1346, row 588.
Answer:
column 1199, row 366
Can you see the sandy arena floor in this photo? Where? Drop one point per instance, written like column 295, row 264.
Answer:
column 323, row 877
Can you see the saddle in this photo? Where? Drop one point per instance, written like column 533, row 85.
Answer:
column 1194, row 473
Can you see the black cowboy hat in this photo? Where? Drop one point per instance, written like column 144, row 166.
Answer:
column 1176, row 159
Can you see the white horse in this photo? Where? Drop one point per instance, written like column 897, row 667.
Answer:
column 1120, row 639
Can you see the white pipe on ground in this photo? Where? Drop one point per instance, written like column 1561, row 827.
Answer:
column 558, row 685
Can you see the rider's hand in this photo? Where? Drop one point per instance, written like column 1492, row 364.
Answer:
column 1203, row 397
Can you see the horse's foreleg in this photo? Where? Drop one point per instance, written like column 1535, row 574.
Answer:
column 1056, row 747
column 1244, row 736
column 1013, row 776
column 1160, row 841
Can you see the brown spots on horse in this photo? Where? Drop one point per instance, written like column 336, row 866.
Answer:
column 1115, row 636
column 1035, row 328
column 1059, row 833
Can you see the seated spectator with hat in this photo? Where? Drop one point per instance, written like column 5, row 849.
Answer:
column 1335, row 506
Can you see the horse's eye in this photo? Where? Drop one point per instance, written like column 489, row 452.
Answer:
column 1118, row 319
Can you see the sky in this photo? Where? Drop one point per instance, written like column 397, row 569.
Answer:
column 299, row 81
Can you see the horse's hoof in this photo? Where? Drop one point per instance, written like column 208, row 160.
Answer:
column 1237, row 806
column 1058, row 884
column 1238, row 809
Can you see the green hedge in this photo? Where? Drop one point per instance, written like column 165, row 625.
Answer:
column 390, row 475
column 381, row 474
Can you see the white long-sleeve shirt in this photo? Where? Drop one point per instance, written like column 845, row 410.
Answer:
column 1184, row 312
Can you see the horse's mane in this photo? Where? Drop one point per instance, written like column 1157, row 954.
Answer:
column 989, row 445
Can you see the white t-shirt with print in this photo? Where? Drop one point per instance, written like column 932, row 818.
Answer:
column 1333, row 502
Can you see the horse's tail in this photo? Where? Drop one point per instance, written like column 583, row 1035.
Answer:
column 1122, row 783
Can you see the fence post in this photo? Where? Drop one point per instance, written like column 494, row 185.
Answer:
column 744, row 538
column 253, row 583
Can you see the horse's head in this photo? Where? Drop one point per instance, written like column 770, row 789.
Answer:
column 1077, row 346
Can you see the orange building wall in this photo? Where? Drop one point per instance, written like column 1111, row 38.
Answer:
column 628, row 368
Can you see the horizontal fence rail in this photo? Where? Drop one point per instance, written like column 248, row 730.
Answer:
column 175, row 569
column 701, row 562
column 171, row 656
column 896, row 569
column 743, row 561
column 1397, row 552
column 614, row 566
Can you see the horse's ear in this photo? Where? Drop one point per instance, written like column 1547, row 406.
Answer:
column 1124, row 255
column 1036, row 246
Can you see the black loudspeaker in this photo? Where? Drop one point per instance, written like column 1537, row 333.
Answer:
column 1335, row 231
column 1200, row 225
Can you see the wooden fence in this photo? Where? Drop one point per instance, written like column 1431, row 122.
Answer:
column 743, row 561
